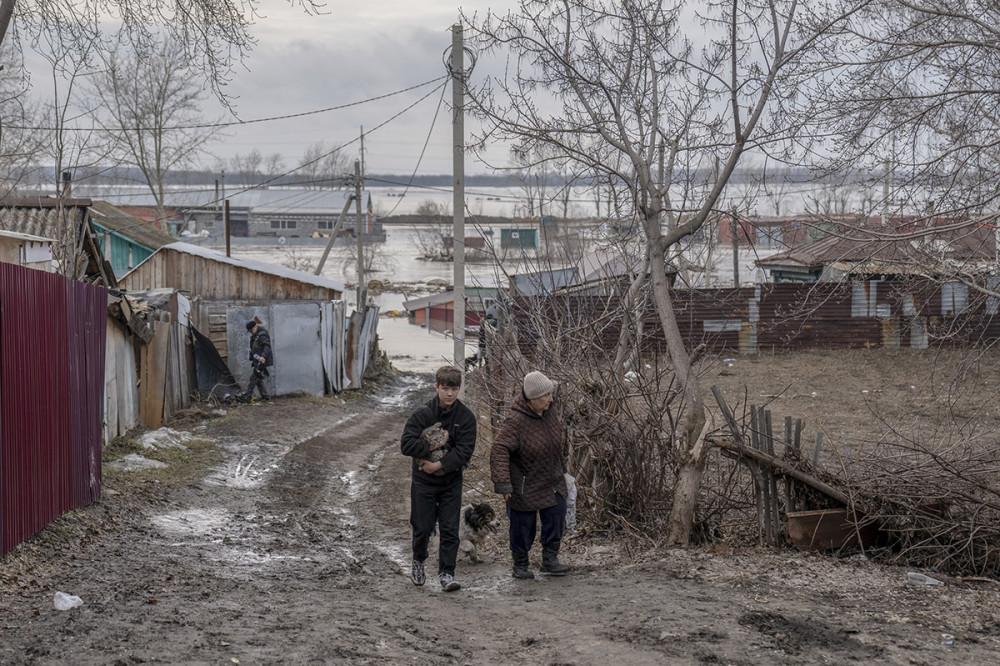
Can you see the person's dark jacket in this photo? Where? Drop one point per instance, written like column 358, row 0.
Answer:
column 527, row 459
column 260, row 345
column 460, row 423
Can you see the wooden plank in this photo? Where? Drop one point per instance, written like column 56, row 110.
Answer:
column 151, row 387
column 774, row 523
column 784, row 468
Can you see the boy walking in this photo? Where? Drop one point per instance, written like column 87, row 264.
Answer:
column 436, row 485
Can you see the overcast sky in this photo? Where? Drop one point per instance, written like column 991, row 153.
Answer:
column 356, row 51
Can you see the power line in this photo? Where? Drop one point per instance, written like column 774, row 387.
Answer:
column 236, row 123
column 422, row 150
column 216, row 201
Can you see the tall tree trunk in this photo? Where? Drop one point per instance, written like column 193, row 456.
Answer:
column 689, row 480
column 6, row 13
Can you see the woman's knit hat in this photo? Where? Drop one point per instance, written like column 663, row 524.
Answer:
column 536, row 385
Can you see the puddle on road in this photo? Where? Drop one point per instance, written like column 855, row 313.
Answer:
column 400, row 394
column 194, row 522
column 248, row 471
column 239, row 538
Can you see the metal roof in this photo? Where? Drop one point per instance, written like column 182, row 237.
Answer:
column 25, row 237
column 117, row 220
column 252, row 264
column 874, row 247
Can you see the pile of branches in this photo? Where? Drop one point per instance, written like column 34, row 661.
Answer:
column 936, row 502
column 619, row 428
column 932, row 494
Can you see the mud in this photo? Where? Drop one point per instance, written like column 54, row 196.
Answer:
column 280, row 535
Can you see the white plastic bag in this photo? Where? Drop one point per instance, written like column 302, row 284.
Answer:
column 570, row 502
column 65, row 601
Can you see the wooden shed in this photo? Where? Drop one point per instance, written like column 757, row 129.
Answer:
column 215, row 282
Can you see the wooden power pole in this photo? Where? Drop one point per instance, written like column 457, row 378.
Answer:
column 458, row 127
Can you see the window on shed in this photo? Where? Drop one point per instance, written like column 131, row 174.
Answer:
column 954, row 298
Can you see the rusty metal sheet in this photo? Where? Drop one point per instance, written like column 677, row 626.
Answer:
column 829, row 529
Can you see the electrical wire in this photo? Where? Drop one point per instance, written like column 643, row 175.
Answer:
column 216, row 200
column 422, row 151
column 236, row 123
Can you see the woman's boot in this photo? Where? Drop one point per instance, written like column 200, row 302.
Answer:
column 550, row 562
column 521, row 569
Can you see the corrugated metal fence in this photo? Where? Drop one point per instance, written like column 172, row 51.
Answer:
column 318, row 348
column 910, row 313
column 52, row 346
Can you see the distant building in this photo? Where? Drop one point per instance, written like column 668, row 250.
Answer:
column 26, row 250
column 437, row 311
column 68, row 223
column 867, row 254
column 294, row 214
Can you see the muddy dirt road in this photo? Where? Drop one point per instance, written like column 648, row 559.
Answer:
column 281, row 536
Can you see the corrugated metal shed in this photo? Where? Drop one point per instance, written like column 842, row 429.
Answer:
column 212, row 275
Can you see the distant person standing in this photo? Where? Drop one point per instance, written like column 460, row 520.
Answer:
column 261, row 358
column 436, row 485
column 528, row 465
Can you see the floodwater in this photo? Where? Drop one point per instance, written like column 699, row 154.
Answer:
column 410, row 348
column 415, row 349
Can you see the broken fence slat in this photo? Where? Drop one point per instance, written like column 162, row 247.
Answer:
column 819, row 445
column 784, row 468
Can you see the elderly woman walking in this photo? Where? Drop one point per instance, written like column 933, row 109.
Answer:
column 527, row 464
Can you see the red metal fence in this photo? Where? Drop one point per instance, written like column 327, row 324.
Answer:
column 782, row 317
column 52, row 346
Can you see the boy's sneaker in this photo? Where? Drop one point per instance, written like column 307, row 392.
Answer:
column 417, row 573
column 448, row 582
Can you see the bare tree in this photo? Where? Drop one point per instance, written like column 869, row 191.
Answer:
column 530, row 175
column 434, row 230
column 912, row 94
column 274, row 166
column 151, row 113
column 621, row 90
column 21, row 143
column 247, row 167
column 69, row 142
column 323, row 166
column 374, row 259
column 211, row 34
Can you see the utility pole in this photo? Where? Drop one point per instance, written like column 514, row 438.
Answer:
column 225, row 218
column 362, row 156
column 735, row 231
column 458, row 129
column 362, row 296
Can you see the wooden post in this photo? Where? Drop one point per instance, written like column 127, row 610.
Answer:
column 819, row 445
column 225, row 217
